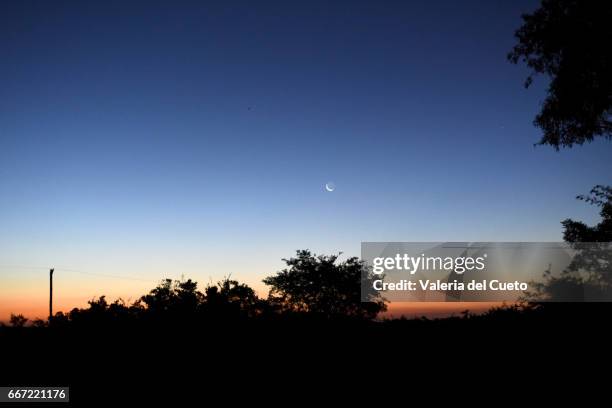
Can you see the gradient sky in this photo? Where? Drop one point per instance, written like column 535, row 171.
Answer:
column 156, row 139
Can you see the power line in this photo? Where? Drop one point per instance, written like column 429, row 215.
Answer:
column 104, row 275
column 23, row 267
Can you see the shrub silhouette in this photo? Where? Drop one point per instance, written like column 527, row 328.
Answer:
column 18, row 320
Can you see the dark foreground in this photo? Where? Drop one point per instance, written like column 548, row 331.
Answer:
column 312, row 359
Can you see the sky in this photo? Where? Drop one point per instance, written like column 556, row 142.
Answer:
column 146, row 140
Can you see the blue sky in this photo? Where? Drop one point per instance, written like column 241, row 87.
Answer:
column 157, row 139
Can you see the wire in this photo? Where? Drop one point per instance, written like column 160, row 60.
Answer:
column 24, row 267
column 104, row 275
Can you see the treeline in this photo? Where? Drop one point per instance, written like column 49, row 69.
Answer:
column 310, row 287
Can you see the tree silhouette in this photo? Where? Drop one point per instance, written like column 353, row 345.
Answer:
column 589, row 274
column 176, row 297
column 320, row 286
column 230, row 298
column 569, row 41
column 595, row 256
column 576, row 231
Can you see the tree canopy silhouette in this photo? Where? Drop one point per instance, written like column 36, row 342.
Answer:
column 321, row 286
column 232, row 298
column 576, row 231
column 569, row 41
column 170, row 296
column 589, row 275
column 596, row 256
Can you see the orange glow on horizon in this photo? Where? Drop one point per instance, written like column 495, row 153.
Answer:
column 39, row 308
column 436, row 309
column 30, row 297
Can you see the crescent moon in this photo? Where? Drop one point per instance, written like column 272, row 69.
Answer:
column 330, row 187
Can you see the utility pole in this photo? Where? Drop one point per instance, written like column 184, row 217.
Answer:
column 51, row 294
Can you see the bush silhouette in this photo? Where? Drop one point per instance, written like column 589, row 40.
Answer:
column 18, row 320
